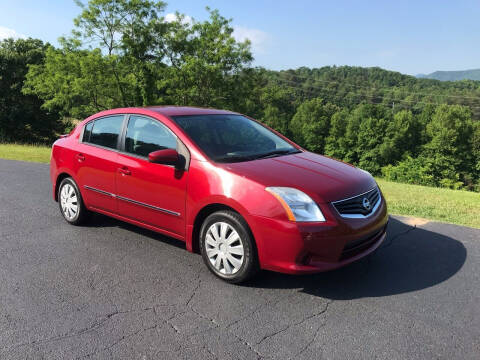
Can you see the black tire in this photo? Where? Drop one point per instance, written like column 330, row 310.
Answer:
column 249, row 266
column 82, row 214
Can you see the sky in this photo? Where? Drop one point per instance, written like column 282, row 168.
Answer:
column 411, row 37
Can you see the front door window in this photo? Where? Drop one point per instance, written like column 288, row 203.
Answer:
column 146, row 135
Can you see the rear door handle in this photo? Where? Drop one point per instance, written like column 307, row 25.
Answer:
column 124, row 171
column 80, row 157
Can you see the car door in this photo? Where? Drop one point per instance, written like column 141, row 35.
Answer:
column 96, row 161
column 153, row 194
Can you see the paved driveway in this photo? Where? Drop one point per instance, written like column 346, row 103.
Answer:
column 111, row 290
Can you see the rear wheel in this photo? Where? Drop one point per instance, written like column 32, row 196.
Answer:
column 227, row 247
column 71, row 203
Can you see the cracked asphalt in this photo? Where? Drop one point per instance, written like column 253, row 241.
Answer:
column 110, row 290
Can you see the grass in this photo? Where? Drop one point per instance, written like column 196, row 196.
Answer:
column 32, row 153
column 451, row 206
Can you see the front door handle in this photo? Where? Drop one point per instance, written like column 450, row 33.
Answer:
column 80, row 157
column 124, row 171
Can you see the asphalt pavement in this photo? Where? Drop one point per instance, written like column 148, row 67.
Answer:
column 109, row 290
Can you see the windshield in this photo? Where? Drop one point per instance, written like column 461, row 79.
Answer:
column 233, row 138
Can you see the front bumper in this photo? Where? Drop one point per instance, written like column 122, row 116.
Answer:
column 305, row 248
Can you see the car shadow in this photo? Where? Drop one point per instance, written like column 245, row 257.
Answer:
column 410, row 259
column 102, row 221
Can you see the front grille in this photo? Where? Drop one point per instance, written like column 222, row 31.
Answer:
column 359, row 206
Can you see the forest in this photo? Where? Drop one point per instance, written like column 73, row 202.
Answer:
column 124, row 53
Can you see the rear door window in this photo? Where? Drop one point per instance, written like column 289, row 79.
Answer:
column 106, row 131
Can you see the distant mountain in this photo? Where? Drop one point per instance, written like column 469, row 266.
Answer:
column 453, row 75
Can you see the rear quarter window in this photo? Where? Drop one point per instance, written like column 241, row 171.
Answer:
column 87, row 131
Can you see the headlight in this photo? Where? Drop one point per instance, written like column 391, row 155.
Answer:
column 298, row 205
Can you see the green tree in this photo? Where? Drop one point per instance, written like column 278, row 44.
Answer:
column 131, row 34
column 361, row 137
column 336, row 144
column 76, row 83
column 476, row 155
column 206, row 65
column 371, row 137
column 21, row 116
column 278, row 108
column 123, row 53
column 449, row 149
column 402, row 138
column 310, row 124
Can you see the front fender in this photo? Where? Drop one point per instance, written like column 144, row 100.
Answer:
column 209, row 184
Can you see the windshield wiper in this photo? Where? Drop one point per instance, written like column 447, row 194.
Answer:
column 277, row 153
column 239, row 158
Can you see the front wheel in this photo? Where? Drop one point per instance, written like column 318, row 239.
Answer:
column 227, row 247
column 71, row 203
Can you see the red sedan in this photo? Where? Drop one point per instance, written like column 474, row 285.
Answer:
column 241, row 194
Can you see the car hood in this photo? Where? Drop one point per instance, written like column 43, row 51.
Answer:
column 321, row 177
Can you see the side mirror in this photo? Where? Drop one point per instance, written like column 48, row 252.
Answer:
column 164, row 156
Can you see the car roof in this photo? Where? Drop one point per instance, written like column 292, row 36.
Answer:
column 185, row 110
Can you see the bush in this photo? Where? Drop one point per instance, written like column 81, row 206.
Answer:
column 420, row 171
column 411, row 170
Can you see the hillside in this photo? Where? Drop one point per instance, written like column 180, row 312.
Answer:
column 453, row 75
column 348, row 86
